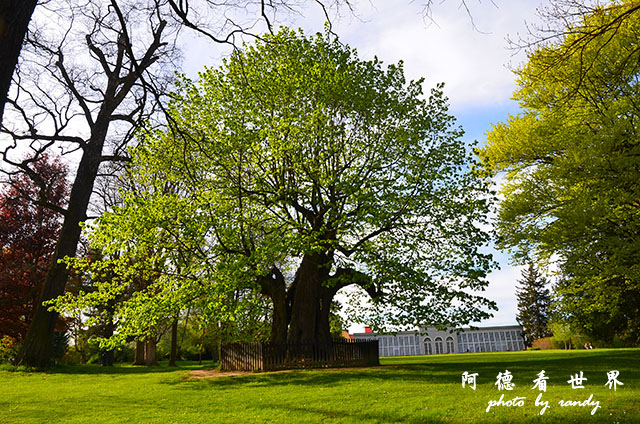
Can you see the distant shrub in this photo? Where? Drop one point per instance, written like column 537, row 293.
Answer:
column 125, row 354
column 73, row 357
column 60, row 344
column 543, row 344
column 8, row 349
column 19, row 368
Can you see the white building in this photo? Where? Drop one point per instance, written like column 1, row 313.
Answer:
column 429, row 341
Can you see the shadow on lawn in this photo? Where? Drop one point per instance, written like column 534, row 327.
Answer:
column 388, row 417
column 558, row 368
column 441, row 369
column 351, row 416
column 123, row 369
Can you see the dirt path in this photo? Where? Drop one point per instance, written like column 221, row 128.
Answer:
column 215, row 373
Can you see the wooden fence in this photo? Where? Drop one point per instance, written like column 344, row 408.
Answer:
column 269, row 357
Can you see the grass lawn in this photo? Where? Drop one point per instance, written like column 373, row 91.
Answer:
column 419, row 389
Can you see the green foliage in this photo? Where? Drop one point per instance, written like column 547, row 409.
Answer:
column 91, row 353
column 337, row 324
column 60, row 344
column 534, row 303
column 8, row 349
column 562, row 333
column 138, row 282
column 571, row 161
column 296, row 147
column 199, row 338
column 295, row 150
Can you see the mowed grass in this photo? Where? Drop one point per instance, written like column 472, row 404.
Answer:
column 419, row 389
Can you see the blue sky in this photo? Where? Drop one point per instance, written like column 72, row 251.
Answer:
column 471, row 58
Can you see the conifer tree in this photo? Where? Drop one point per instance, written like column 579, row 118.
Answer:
column 533, row 304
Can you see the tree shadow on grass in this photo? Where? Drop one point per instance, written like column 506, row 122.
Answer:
column 345, row 414
column 447, row 370
column 437, row 369
column 123, row 369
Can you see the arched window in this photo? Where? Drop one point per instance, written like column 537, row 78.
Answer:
column 439, row 349
column 450, row 346
column 428, row 349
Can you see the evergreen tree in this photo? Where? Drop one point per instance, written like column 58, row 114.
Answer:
column 533, row 304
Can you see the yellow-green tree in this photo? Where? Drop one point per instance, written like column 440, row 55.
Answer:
column 571, row 162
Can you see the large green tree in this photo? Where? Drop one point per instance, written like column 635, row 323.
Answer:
column 301, row 169
column 572, row 160
column 89, row 74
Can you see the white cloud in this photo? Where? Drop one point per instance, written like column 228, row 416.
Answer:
column 471, row 58
column 472, row 61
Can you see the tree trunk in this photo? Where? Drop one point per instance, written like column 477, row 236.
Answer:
column 37, row 348
column 14, row 21
column 109, row 354
column 83, row 355
column 273, row 285
column 174, row 343
column 139, row 358
column 280, row 319
column 150, row 357
column 305, row 310
column 323, row 329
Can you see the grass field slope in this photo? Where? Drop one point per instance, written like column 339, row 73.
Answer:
column 419, row 389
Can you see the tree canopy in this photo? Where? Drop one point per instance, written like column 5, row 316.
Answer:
column 296, row 169
column 571, row 161
column 89, row 75
column 28, row 232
